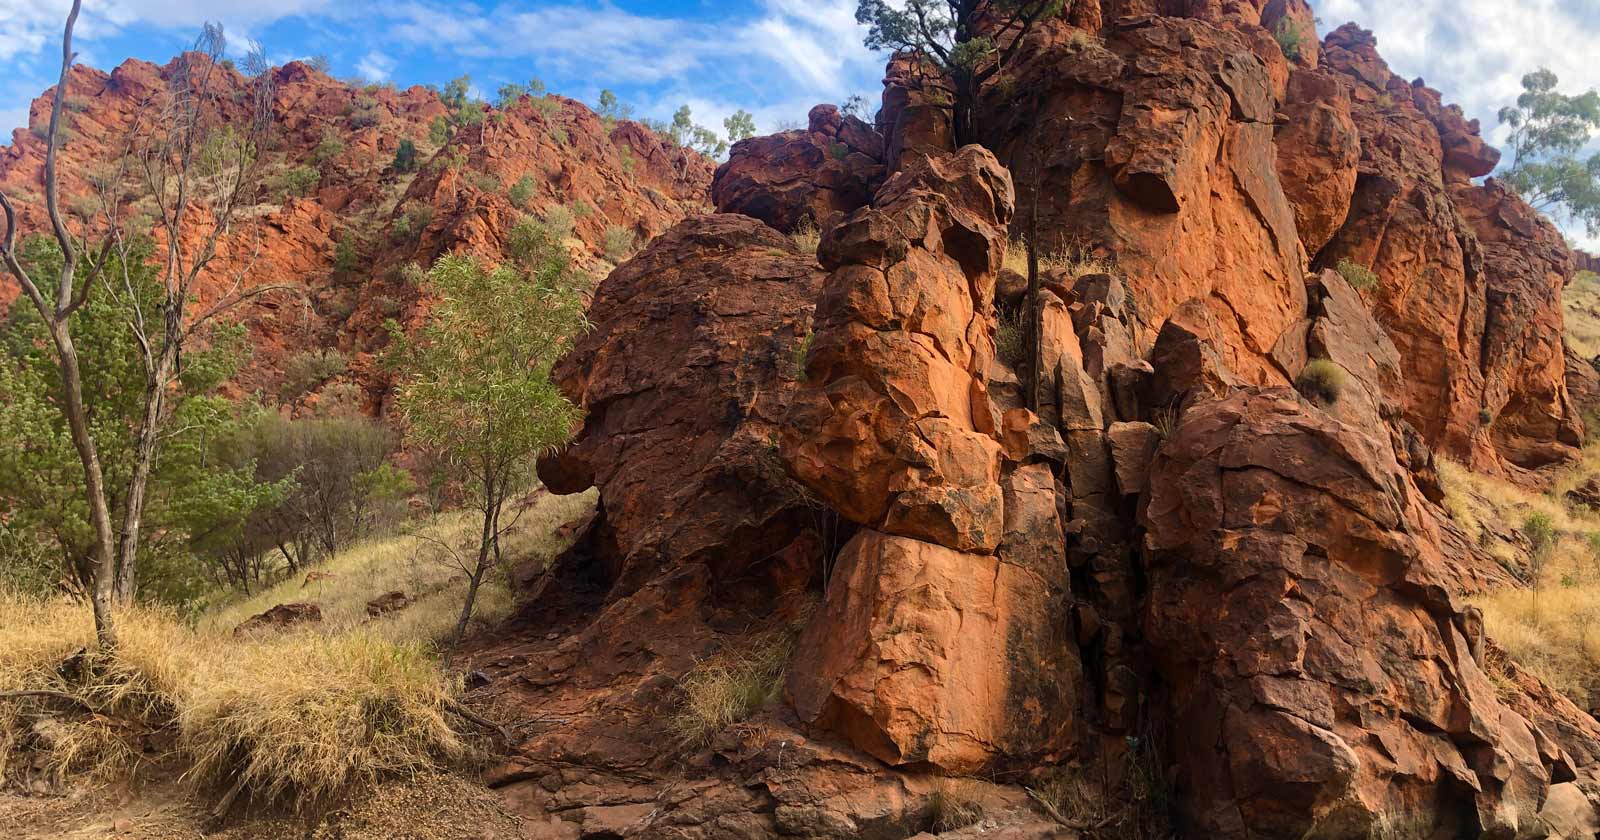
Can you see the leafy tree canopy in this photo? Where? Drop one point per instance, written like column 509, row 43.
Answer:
column 1549, row 131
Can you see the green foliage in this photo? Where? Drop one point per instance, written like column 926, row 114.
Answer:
column 559, row 221
column 320, row 63
column 327, row 149
column 610, row 110
column 1540, row 531
column 522, row 191
column 455, row 93
column 802, row 353
column 473, row 384
column 308, row 369
column 1321, row 380
column 405, row 157
column 619, row 244
column 346, row 256
column 41, row 479
column 412, row 223
column 439, row 131
column 1291, row 40
column 546, row 107
column 299, row 181
column 855, row 105
column 947, row 36
column 1549, row 130
column 581, row 209
column 1357, row 275
column 509, row 94
column 629, row 162
column 740, row 126
column 486, row 182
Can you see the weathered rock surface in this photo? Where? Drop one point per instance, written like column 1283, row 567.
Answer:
column 803, row 177
column 684, row 383
column 1469, row 276
column 1317, row 681
column 893, row 428
column 281, row 617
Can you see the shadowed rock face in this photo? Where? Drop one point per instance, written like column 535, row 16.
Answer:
column 799, row 178
column 684, row 382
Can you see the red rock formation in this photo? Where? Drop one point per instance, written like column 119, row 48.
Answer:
column 684, row 383
column 625, row 176
column 797, row 178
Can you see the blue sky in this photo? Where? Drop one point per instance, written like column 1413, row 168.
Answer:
column 774, row 58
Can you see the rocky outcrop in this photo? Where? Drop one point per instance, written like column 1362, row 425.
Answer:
column 344, row 137
column 1190, row 131
column 281, row 617
column 684, row 382
column 1469, row 276
column 797, row 178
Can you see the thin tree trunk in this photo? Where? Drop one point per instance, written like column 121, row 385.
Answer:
column 139, row 482
column 102, row 590
column 486, row 540
column 1035, row 315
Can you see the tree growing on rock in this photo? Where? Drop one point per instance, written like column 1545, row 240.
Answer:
column 474, row 387
column 199, row 171
column 1549, row 130
column 969, row 41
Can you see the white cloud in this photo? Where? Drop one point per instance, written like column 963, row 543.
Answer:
column 375, row 66
column 12, row 118
column 1476, row 51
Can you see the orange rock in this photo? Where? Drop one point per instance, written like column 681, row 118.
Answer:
column 925, row 654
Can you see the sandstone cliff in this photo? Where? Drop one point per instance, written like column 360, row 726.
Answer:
column 1172, row 572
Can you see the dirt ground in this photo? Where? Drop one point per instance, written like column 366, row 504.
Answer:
column 433, row 807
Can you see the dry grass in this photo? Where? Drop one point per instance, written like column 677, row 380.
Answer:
column 954, row 804
column 411, row 563
column 1581, row 299
column 294, row 716
column 1011, row 337
column 806, row 237
column 1073, row 261
column 1552, row 629
column 742, row 678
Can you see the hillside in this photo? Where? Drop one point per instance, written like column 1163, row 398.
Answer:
column 336, row 223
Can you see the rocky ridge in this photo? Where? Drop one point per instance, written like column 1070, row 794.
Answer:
column 1170, row 570
column 619, row 176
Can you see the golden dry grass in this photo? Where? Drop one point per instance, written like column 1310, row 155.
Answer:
column 806, row 237
column 1552, row 629
column 746, row 675
column 1075, row 262
column 1581, row 300
column 296, row 716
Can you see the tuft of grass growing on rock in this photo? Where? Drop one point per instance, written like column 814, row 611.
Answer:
column 1011, row 336
column 1357, row 275
column 952, row 805
column 1075, row 262
column 1321, row 381
column 742, row 678
column 619, row 244
column 806, row 237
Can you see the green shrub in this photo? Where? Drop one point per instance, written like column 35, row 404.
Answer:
column 327, row 149
column 412, row 223
column 405, row 157
column 521, row 191
column 1322, row 380
column 620, row 243
column 306, row 370
column 581, row 209
column 546, row 107
column 486, row 182
column 345, row 255
column 1357, row 275
column 439, row 131
column 559, row 221
column 299, row 181
column 802, row 354
column 1290, row 39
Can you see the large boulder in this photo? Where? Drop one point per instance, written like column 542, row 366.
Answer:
column 684, row 383
column 893, row 429
column 1305, row 628
column 795, row 178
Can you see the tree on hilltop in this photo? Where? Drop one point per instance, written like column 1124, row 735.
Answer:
column 1549, row 131
column 959, row 38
